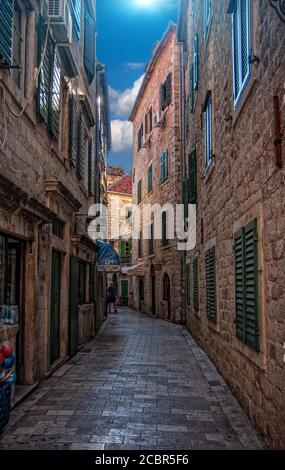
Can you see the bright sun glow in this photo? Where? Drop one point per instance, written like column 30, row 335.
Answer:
column 145, row 3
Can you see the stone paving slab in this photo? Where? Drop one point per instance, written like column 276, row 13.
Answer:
column 142, row 383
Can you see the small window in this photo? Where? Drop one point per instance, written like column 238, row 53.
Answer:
column 208, row 130
column 150, row 119
column 164, row 166
column 139, row 192
column 207, row 16
column 149, row 178
column 164, row 228
column 58, row 228
column 146, row 124
column 140, row 138
column 241, row 46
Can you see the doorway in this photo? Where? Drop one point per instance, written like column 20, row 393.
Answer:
column 125, row 292
column 167, row 295
column 55, row 306
column 153, row 290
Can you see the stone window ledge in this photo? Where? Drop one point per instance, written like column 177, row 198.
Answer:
column 209, row 171
column 243, row 99
column 257, row 358
column 214, row 326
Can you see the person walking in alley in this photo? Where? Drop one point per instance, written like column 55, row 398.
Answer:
column 111, row 298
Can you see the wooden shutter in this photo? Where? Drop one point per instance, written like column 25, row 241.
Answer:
column 191, row 88
column 186, row 196
column 6, row 30
column 76, row 14
column 80, row 147
column 54, row 97
column 195, row 284
column 193, row 177
column 168, row 85
column 236, row 66
column 211, row 284
column 246, row 285
column 123, row 248
column 91, row 168
column 187, row 281
column 196, row 62
column 89, row 46
column 73, row 130
column 44, row 80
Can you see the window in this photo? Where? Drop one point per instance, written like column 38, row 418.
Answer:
column 187, row 282
column 166, row 93
column 58, row 228
column 207, row 16
column 146, row 124
column 246, row 285
column 196, row 62
column 82, row 283
column 139, row 191
column 150, row 119
column 18, row 44
column 164, row 228
column 211, row 285
column 76, row 13
column 149, row 179
column 91, row 168
column 140, row 138
column 49, row 81
column 150, row 240
column 241, row 46
column 186, row 193
column 192, row 171
column 10, row 270
column 208, row 131
column 140, row 246
column 195, row 284
column 164, row 166
column 6, row 31
column 73, row 129
column 89, row 46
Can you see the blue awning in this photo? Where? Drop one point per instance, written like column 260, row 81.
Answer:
column 108, row 259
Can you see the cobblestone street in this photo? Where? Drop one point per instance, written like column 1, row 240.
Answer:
column 141, row 384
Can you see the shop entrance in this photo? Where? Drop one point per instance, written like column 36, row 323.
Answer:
column 10, row 290
column 55, row 306
column 125, row 292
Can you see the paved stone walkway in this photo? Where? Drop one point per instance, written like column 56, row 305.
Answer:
column 142, row 384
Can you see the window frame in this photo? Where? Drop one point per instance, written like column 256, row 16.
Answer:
column 150, row 179
column 243, row 82
column 208, row 129
column 164, row 166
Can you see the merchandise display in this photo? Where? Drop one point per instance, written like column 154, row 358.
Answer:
column 7, row 380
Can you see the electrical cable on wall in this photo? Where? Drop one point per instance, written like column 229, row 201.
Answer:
column 30, row 95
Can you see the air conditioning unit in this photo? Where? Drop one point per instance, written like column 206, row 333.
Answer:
column 61, row 21
column 159, row 119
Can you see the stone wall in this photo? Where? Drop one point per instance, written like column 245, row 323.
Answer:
column 242, row 184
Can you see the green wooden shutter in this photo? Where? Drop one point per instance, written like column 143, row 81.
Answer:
column 195, row 284
column 91, row 168
column 251, row 286
column 89, row 46
column 54, row 98
column 239, row 285
column 73, row 131
column 193, row 177
column 186, row 196
column 44, row 80
column 6, row 30
column 76, row 13
column 80, row 147
column 211, row 285
column 123, row 248
column 191, row 88
column 187, row 281
column 168, row 85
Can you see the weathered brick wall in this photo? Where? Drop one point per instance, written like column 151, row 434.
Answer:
column 244, row 183
column 164, row 260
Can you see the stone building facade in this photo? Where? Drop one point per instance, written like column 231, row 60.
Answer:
column 157, row 180
column 120, row 229
column 47, row 182
column 232, row 67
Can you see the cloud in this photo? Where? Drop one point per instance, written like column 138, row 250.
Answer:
column 134, row 65
column 122, row 135
column 122, row 102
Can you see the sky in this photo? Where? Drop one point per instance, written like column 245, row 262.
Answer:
column 127, row 31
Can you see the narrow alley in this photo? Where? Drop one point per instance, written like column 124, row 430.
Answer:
column 141, row 383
